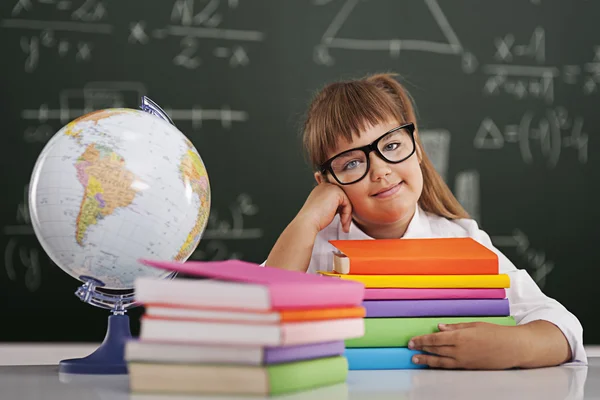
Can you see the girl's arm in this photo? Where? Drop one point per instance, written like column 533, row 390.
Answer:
column 294, row 247
column 545, row 345
column 529, row 304
column 546, row 334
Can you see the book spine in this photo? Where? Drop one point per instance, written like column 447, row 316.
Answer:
column 335, row 294
column 282, row 354
column 321, row 314
column 422, row 266
column 382, row 358
column 396, row 332
column 303, row 375
column 436, row 308
column 321, row 331
column 431, row 281
column 407, row 294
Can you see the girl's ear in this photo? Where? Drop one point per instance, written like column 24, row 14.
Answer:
column 319, row 177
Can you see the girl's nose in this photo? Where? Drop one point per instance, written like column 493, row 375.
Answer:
column 379, row 168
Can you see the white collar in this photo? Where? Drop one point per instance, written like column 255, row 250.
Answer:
column 417, row 227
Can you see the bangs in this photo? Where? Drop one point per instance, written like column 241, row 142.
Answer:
column 342, row 111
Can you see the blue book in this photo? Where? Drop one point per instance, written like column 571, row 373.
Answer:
column 381, row 358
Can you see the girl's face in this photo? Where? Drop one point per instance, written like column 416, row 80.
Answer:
column 388, row 194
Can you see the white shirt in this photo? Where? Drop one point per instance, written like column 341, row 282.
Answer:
column 527, row 302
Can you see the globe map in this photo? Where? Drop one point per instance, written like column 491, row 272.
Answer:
column 114, row 186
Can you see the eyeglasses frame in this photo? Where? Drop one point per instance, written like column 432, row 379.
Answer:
column 367, row 149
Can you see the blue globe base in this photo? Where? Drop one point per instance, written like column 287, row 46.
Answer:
column 108, row 359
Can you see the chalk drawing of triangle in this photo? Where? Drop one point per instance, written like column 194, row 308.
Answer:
column 488, row 136
column 419, row 25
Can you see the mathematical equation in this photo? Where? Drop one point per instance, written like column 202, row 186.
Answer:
column 448, row 42
column 89, row 21
column 192, row 26
column 535, row 260
column 73, row 103
column 554, row 131
column 24, row 258
column 85, row 19
column 510, row 76
column 536, row 81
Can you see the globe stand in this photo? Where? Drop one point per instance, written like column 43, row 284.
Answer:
column 108, row 359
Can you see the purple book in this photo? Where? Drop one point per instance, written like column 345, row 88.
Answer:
column 194, row 353
column 426, row 293
column 281, row 354
column 437, row 308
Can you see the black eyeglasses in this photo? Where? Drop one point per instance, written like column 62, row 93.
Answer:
column 353, row 165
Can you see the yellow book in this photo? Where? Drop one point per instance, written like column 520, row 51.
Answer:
column 427, row 281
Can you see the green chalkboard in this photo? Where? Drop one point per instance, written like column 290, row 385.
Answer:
column 507, row 96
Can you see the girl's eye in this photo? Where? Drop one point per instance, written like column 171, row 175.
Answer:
column 351, row 165
column 391, row 146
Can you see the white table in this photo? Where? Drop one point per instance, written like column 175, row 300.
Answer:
column 30, row 382
column 44, row 382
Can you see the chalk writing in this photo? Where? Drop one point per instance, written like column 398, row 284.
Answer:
column 554, row 131
column 74, row 103
column 449, row 44
column 536, row 260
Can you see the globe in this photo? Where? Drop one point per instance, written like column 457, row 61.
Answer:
column 110, row 188
column 115, row 186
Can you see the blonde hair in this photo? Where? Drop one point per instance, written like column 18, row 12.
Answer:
column 344, row 109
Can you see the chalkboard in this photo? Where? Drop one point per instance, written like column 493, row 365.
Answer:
column 507, row 94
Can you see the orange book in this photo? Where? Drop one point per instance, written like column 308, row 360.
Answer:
column 189, row 313
column 430, row 256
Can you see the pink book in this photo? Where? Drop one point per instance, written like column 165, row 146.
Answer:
column 238, row 284
column 449, row 293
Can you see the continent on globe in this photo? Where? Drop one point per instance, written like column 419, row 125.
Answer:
column 74, row 131
column 193, row 174
column 106, row 183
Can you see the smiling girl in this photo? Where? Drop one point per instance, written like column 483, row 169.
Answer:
column 375, row 181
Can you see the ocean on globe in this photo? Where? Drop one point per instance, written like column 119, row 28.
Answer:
column 114, row 186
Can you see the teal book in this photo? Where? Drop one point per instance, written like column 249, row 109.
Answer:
column 382, row 358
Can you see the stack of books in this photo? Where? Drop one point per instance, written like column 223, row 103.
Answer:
column 412, row 285
column 242, row 330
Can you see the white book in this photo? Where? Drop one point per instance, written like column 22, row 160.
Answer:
column 250, row 333
column 207, row 292
column 192, row 353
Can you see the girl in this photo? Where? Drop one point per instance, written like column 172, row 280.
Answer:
column 375, row 181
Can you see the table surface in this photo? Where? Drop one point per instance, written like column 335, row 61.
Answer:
column 565, row 382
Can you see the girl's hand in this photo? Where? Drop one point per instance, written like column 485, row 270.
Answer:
column 473, row 345
column 324, row 202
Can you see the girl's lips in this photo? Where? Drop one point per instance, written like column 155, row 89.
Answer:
column 387, row 193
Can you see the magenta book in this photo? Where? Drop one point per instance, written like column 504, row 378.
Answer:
column 287, row 289
column 423, row 293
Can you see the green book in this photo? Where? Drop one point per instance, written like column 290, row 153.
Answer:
column 291, row 377
column 198, row 379
column 396, row 332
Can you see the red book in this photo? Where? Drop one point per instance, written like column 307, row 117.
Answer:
column 430, row 256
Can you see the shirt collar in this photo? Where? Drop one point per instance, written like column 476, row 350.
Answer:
column 417, row 227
